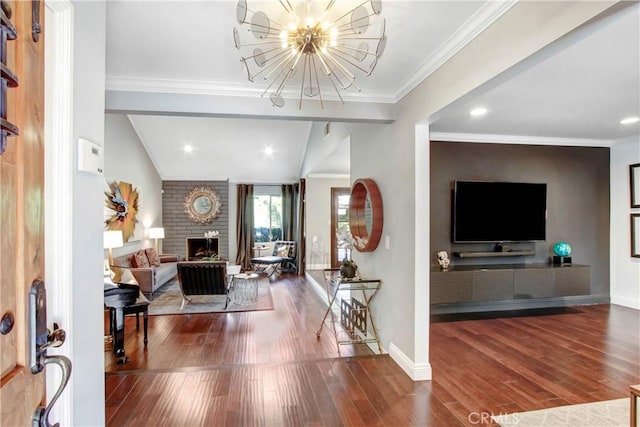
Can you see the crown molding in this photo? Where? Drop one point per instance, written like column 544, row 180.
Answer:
column 480, row 21
column 329, row 175
column 518, row 139
column 633, row 138
column 201, row 87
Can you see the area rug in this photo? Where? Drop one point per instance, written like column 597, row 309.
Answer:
column 168, row 299
column 609, row 413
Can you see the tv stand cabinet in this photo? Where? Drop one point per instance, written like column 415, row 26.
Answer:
column 474, row 254
column 473, row 288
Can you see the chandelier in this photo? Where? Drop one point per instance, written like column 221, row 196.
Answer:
column 311, row 46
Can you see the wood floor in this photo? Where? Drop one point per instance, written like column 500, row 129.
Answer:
column 268, row 368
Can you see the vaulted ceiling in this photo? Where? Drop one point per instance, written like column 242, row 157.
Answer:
column 578, row 88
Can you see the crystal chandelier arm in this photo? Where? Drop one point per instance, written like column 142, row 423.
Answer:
column 328, row 58
column 331, row 77
column 327, row 71
column 350, row 11
column 345, row 58
column 262, row 43
column 286, row 73
column 315, row 69
column 337, row 75
column 270, row 64
column 304, row 73
column 351, row 51
column 287, row 6
column 283, row 60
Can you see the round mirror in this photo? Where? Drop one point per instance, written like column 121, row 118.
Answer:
column 203, row 205
column 365, row 214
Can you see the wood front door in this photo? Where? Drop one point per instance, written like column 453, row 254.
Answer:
column 21, row 215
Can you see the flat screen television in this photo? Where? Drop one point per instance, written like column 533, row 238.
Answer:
column 498, row 212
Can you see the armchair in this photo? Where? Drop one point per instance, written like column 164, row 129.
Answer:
column 202, row 278
column 282, row 258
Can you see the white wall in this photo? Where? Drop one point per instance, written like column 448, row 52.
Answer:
column 85, row 334
column 625, row 270
column 389, row 155
column 125, row 159
column 318, row 220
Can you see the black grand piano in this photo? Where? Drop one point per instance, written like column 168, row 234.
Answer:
column 123, row 296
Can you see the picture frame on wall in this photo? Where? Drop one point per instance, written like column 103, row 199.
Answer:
column 634, row 175
column 635, row 235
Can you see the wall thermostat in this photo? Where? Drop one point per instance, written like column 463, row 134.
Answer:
column 90, row 157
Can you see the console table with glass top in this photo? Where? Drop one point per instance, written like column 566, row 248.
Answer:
column 355, row 324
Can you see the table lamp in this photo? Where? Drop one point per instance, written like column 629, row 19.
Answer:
column 156, row 233
column 112, row 239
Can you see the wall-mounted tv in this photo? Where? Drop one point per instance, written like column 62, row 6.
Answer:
column 498, row 212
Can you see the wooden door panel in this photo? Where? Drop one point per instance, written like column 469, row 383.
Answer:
column 22, row 217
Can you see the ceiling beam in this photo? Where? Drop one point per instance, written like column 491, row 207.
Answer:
column 198, row 105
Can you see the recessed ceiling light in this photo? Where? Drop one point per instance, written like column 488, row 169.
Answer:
column 268, row 151
column 629, row 120
column 188, row 148
column 478, row 111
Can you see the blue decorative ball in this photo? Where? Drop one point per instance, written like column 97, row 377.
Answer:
column 562, row 249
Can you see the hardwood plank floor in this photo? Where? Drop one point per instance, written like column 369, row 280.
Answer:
column 268, row 368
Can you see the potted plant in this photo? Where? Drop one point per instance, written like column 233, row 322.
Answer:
column 348, row 269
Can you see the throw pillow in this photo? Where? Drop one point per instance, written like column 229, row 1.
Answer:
column 282, row 251
column 153, row 257
column 140, row 259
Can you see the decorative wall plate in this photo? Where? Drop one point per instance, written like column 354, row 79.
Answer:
column 203, row 204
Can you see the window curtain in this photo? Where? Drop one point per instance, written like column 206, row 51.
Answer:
column 244, row 225
column 302, row 249
column 293, row 220
column 289, row 211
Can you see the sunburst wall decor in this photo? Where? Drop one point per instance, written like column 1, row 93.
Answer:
column 122, row 199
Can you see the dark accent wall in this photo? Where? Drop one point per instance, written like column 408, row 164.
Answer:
column 577, row 199
column 177, row 223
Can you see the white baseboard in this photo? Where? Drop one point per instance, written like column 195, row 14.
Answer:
column 317, row 266
column 417, row 372
column 625, row 301
column 318, row 287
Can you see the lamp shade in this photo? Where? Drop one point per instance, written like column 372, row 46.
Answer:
column 156, row 233
column 113, row 239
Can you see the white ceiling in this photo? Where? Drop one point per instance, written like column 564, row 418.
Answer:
column 579, row 88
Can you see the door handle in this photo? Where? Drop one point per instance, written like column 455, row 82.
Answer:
column 41, row 415
column 40, row 339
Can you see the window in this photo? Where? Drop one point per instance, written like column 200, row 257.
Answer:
column 341, row 235
column 267, row 217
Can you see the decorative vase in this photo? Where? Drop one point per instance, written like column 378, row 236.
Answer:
column 562, row 249
column 347, row 271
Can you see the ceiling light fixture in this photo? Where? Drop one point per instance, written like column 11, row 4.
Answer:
column 268, row 151
column 478, row 111
column 312, row 44
column 629, row 120
column 188, row 148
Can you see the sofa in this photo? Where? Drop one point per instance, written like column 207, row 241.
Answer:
column 152, row 276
